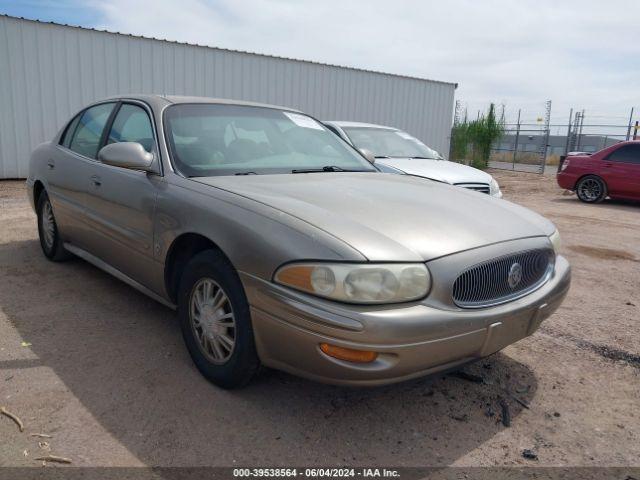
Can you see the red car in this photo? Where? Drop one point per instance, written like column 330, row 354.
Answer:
column 613, row 172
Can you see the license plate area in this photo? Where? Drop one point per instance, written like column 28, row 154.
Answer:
column 505, row 332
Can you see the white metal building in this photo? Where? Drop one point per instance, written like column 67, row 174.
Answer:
column 49, row 71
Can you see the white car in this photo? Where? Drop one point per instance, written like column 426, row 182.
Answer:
column 394, row 148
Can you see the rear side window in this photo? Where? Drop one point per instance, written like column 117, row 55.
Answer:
column 132, row 124
column 88, row 132
column 626, row 154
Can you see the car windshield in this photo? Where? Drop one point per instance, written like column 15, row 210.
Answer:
column 217, row 139
column 384, row 142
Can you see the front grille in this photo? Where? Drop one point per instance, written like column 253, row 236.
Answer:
column 489, row 283
column 477, row 187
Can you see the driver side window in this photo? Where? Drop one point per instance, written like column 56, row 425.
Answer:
column 132, row 124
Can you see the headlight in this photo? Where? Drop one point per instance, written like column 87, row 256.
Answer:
column 358, row 283
column 494, row 188
column 555, row 240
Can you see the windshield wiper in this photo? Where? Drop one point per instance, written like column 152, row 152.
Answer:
column 326, row 168
column 245, row 173
column 382, row 156
column 424, row 158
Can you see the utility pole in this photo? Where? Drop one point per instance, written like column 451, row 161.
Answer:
column 566, row 145
column 545, row 137
column 515, row 144
column 580, row 131
column 630, row 123
column 573, row 138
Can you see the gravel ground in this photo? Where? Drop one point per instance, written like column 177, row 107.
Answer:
column 102, row 369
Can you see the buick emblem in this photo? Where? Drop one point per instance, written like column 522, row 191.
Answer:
column 515, row 275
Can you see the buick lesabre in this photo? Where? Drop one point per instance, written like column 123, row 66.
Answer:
column 280, row 245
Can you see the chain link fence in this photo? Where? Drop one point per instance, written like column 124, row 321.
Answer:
column 539, row 147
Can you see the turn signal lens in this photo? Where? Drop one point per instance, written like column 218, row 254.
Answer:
column 348, row 354
column 297, row 276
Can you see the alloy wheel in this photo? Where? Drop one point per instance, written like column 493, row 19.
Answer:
column 590, row 189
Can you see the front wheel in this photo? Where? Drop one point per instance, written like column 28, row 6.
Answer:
column 50, row 240
column 591, row 189
column 216, row 321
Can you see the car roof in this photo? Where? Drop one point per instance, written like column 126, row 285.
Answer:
column 341, row 123
column 162, row 100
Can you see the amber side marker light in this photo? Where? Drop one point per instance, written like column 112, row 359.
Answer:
column 348, row 354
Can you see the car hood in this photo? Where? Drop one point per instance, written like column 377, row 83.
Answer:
column 441, row 170
column 390, row 217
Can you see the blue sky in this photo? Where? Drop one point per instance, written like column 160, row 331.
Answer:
column 579, row 53
column 62, row 11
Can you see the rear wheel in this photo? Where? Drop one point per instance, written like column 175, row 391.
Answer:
column 50, row 240
column 591, row 189
column 216, row 322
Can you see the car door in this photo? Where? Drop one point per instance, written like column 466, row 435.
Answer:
column 121, row 202
column 69, row 166
column 621, row 171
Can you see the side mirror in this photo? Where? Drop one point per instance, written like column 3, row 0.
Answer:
column 368, row 154
column 126, row 155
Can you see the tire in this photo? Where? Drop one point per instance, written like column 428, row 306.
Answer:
column 225, row 354
column 50, row 240
column 591, row 189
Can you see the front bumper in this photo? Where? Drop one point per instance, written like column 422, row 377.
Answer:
column 411, row 340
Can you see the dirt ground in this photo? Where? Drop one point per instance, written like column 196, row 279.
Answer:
column 102, row 369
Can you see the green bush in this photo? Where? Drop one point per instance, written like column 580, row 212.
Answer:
column 474, row 139
column 460, row 141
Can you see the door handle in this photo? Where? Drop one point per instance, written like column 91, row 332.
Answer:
column 607, row 165
column 51, row 165
column 95, row 179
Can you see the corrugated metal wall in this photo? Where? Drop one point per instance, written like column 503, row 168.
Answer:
column 49, row 71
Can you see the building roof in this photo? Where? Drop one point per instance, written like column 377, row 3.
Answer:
column 455, row 85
